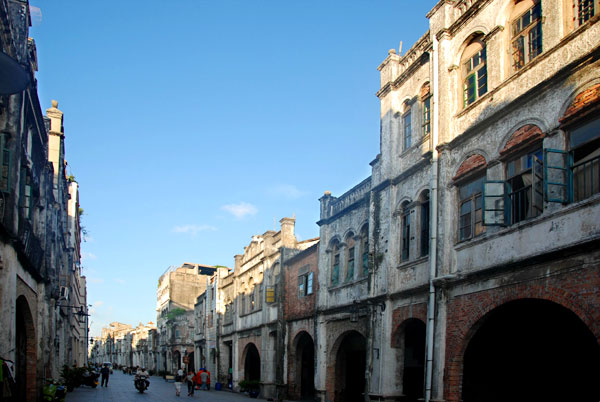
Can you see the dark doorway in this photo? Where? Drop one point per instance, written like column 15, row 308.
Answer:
column 252, row 363
column 191, row 365
column 414, row 360
column 305, row 366
column 176, row 360
column 350, row 368
column 25, row 356
column 532, row 350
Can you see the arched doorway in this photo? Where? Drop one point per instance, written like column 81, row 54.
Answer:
column 413, row 373
column 305, row 365
column 26, row 355
column 252, row 363
column 531, row 350
column 176, row 360
column 350, row 366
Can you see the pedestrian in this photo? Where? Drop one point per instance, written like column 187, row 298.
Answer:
column 204, row 378
column 208, row 380
column 197, row 380
column 190, row 382
column 105, row 371
column 178, row 378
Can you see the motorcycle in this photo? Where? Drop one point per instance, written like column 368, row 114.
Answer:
column 141, row 383
column 90, row 378
column 54, row 392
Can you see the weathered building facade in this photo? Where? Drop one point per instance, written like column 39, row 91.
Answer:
column 42, row 291
column 178, row 290
column 481, row 216
column 251, row 337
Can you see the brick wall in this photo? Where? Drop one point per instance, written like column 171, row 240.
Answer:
column 401, row 314
column 295, row 306
column 577, row 291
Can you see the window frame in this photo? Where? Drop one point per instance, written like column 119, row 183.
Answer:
column 426, row 126
column 471, row 197
column 5, row 163
column 477, row 71
column 515, row 214
column 425, row 232
column 579, row 6
column 405, row 232
column 407, row 128
column 335, row 265
column 523, row 34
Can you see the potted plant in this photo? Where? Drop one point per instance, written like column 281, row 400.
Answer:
column 250, row 386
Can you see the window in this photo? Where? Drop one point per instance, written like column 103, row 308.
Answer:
column 26, row 193
column 407, row 129
column 270, row 296
column 585, row 9
column 425, row 224
column 474, row 72
column 585, row 151
column 518, row 198
column 4, row 163
column 427, row 116
column 574, row 175
column 525, row 178
column 405, row 222
column 350, row 257
column 305, row 284
column 335, row 266
column 527, row 34
column 470, row 213
column 364, row 239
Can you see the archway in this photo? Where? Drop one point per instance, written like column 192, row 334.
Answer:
column 531, row 350
column 25, row 356
column 176, row 359
column 305, row 365
column 414, row 359
column 350, row 366
column 252, row 363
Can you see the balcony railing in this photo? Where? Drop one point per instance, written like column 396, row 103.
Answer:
column 30, row 245
column 586, row 178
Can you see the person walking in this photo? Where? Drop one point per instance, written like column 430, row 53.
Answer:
column 178, row 379
column 105, row 371
column 190, row 382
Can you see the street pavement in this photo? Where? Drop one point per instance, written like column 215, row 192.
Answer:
column 120, row 388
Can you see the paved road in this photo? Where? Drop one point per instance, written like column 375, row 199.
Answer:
column 120, row 388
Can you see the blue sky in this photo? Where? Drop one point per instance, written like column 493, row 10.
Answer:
column 191, row 125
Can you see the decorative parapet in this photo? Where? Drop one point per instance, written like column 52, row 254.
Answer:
column 395, row 69
column 331, row 206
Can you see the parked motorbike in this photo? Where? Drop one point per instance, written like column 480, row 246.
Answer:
column 90, row 378
column 141, row 383
column 54, row 392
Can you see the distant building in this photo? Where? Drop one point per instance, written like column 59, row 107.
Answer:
column 178, row 289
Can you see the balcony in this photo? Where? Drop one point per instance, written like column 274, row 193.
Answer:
column 29, row 248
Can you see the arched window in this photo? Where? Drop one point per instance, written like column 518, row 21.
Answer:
column 424, row 235
column 474, row 71
column 526, row 31
column 364, row 250
column 469, row 179
column 426, row 107
column 405, row 230
column 350, row 250
column 335, row 263
column 406, row 126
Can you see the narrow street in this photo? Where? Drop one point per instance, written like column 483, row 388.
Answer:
column 120, row 388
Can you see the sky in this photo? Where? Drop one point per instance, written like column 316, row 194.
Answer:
column 192, row 125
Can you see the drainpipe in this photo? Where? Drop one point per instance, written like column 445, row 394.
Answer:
column 434, row 225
